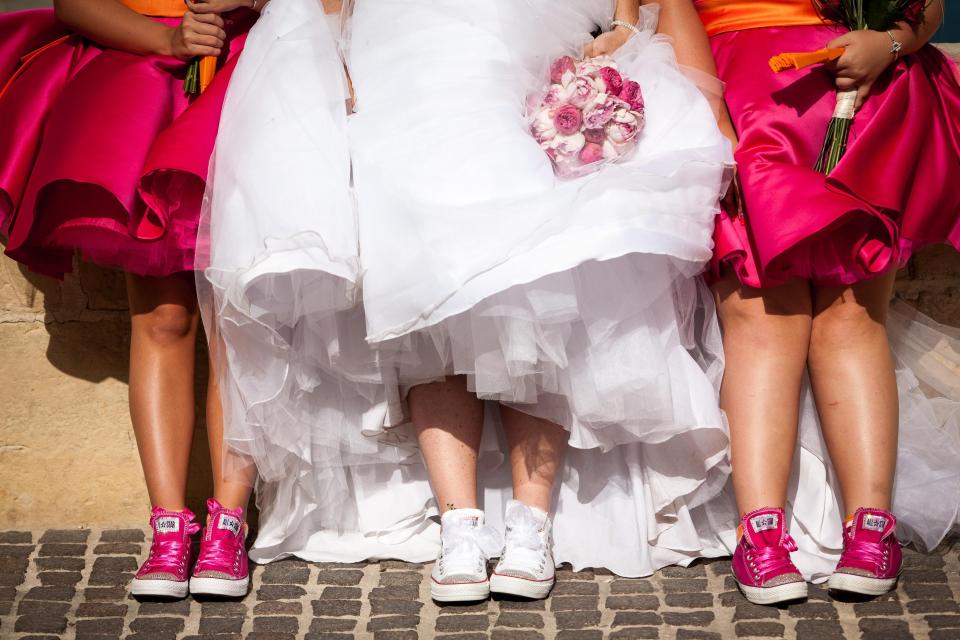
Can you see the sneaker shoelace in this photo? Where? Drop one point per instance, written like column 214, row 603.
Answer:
column 217, row 553
column 772, row 560
column 874, row 554
column 167, row 553
column 467, row 548
column 523, row 544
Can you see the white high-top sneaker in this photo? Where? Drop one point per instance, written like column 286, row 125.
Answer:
column 466, row 543
column 526, row 568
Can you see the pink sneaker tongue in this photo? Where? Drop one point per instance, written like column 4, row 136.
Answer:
column 872, row 525
column 765, row 528
column 172, row 525
column 223, row 521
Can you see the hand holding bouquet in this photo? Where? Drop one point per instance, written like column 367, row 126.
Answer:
column 857, row 66
column 589, row 115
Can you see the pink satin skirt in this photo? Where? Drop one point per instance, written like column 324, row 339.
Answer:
column 101, row 151
column 895, row 190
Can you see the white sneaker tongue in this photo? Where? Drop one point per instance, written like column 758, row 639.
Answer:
column 472, row 518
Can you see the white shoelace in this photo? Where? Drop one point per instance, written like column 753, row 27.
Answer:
column 467, row 548
column 524, row 544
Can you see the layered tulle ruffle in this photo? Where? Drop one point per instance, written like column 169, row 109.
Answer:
column 883, row 201
column 82, row 125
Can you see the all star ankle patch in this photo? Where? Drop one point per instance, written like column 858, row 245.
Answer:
column 874, row 522
column 168, row 524
column 229, row 523
column 765, row 522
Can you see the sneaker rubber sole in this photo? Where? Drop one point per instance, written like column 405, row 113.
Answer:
column 459, row 591
column 159, row 588
column 521, row 587
column 219, row 587
column 861, row 584
column 774, row 595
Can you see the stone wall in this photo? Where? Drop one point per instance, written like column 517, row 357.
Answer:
column 67, row 452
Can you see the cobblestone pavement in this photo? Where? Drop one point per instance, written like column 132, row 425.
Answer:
column 72, row 584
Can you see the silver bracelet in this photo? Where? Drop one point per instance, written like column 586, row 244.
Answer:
column 625, row 25
column 896, row 46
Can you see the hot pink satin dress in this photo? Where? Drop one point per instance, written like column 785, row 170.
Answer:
column 101, row 151
column 897, row 188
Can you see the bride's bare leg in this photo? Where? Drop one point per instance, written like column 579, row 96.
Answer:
column 449, row 423
column 536, row 453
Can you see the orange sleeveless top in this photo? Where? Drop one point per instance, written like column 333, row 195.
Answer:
column 157, row 8
column 721, row 16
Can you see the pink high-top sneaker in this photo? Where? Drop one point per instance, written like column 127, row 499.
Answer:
column 761, row 562
column 164, row 573
column 872, row 558
column 222, row 568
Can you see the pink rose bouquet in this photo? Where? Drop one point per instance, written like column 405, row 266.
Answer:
column 589, row 115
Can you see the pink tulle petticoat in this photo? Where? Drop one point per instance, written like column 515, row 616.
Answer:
column 102, row 152
column 893, row 192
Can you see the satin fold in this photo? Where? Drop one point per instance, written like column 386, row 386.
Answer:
column 883, row 201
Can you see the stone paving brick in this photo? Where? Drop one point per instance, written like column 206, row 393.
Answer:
column 945, row 634
column 885, row 629
column 462, row 622
column 577, row 619
column 689, row 600
column 636, row 618
column 516, row 634
column 384, row 607
column 623, row 586
column 760, row 629
column 325, row 625
column 60, row 564
column 381, row 623
column 122, row 535
column 16, row 537
column 638, row 633
column 688, row 619
column 65, row 535
column 278, row 607
column 159, row 624
column 116, row 549
column 520, row 619
column 574, row 603
column 340, row 577
column 633, row 602
column 692, row 634
column 336, row 607
column 220, row 625
column 819, row 630
column 583, row 634
column 286, row 572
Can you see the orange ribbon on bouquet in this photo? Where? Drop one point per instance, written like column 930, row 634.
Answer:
column 802, row 60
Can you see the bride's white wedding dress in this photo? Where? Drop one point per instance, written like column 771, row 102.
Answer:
column 572, row 300
column 575, row 300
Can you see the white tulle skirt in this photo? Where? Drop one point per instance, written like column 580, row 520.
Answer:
column 576, row 301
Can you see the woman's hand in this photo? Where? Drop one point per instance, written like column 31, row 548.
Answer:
column 221, row 6
column 199, row 34
column 866, row 57
column 607, row 43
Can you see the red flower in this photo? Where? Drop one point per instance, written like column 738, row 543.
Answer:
column 567, row 119
column 613, row 80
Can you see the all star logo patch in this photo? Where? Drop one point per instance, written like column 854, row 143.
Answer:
column 874, row 522
column 766, row 522
column 168, row 524
column 229, row 523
